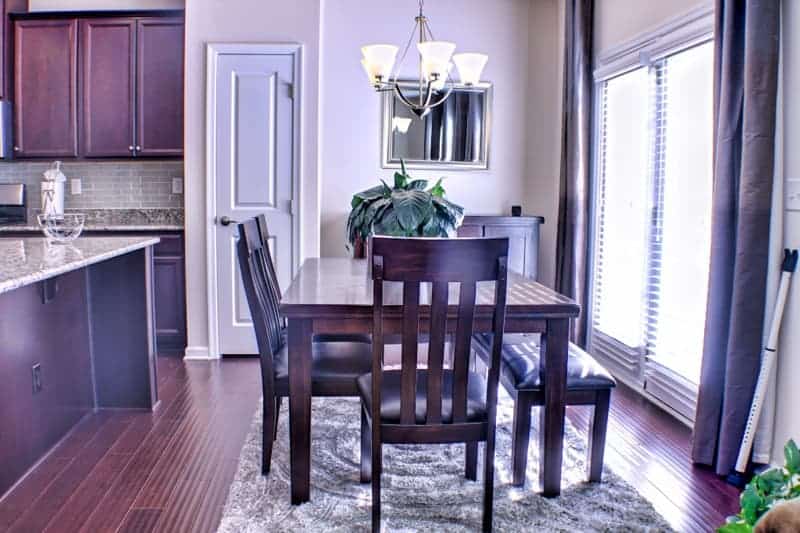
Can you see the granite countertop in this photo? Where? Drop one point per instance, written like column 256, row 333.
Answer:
column 27, row 260
column 114, row 220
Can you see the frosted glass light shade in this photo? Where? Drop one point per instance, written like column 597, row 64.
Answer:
column 470, row 67
column 378, row 61
column 440, row 82
column 435, row 57
column 401, row 124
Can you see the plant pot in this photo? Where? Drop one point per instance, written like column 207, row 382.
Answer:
column 359, row 249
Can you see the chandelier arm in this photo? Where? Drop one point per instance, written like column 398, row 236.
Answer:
column 428, row 94
column 442, row 99
column 400, row 63
column 403, row 98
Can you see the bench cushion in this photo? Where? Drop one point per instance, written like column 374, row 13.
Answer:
column 520, row 364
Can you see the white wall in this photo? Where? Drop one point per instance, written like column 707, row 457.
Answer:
column 82, row 5
column 787, row 419
column 350, row 109
column 617, row 21
column 242, row 21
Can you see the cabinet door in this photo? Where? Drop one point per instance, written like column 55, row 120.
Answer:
column 170, row 299
column 45, row 74
column 107, row 89
column 159, row 87
column 522, row 248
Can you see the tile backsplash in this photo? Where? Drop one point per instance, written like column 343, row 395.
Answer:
column 105, row 184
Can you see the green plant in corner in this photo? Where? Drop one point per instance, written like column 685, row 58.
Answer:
column 409, row 209
column 765, row 490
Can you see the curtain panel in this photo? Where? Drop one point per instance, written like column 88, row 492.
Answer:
column 745, row 91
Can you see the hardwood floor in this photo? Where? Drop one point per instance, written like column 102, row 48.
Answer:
column 170, row 470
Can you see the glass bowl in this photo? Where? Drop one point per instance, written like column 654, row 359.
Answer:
column 62, row 228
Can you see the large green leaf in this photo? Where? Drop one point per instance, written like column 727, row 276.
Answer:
column 419, row 185
column 373, row 193
column 736, row 527
column 390, row 225
column 792, row 455
column 400, row 181
column 411, row 208
column 752, row 504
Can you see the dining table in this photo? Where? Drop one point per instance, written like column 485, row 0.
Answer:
column 334, row 295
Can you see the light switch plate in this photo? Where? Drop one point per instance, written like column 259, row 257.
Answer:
column 177, row 186
column 75, row 186
column 792, row 195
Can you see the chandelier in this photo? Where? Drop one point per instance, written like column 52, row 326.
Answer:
column 435, row 63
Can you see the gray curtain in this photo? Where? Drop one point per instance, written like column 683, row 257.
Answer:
column 572, row 247
column 745, row 91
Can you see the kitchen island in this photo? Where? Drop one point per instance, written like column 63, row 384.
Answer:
column 76, row 334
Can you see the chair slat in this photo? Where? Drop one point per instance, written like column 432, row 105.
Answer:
column 410, row 347
column 463, row 347
column 438, row 326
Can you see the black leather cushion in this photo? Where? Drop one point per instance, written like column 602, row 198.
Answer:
column 520, row 365
column 390, row 396
column 343, row 337
column 332, row 361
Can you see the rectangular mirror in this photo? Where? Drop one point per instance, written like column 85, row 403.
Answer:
column 454, row 135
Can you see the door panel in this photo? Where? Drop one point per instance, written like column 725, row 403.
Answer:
column 253, row 149
column 159, row 79
column 107, row 76
column 45, row 70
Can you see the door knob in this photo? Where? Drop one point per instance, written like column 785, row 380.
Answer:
column 226, row 221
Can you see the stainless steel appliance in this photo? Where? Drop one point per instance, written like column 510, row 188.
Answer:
column 12, row 203
column 6, row 135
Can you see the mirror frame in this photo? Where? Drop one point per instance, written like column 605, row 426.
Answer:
column 387, row 139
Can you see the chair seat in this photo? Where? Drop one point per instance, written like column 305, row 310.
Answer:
column 332, row 362
column 390, row 396
column 520, row 365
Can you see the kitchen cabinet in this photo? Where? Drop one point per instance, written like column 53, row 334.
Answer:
column 107, row 65
column 45, row 88
column 114, row 85
column 6, row 59
column 159, row 82
column 169, row 281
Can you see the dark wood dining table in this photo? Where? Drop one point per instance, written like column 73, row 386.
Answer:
column 334, row 295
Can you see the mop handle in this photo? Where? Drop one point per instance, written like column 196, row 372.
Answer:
column 767, row 360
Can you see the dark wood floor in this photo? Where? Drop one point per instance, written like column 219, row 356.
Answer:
column 170, row 470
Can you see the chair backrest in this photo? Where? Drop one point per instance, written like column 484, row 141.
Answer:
column 254, row 264
column 441, row 262
column 261, row 222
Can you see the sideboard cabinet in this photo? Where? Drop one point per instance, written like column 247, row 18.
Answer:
column 522, row 233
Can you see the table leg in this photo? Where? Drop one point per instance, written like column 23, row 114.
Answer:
column 300, row 408
column 551, row 434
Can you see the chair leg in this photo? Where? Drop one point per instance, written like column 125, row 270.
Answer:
column 520, row 438
column 488, row 481
column 597, row 435
column 377, row 454
column 366, row 447
column 471, row 455
column 277, row 415
column 267, row 433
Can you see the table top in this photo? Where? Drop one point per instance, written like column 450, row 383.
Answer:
column 343, row 285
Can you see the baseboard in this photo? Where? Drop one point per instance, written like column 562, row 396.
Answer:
column 198, row 353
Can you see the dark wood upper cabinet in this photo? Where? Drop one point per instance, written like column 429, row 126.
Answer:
column 159, row 80
column 107, row 87
column 98, row 85
column 45, row 88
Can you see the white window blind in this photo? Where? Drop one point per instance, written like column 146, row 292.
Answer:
column 652, row 224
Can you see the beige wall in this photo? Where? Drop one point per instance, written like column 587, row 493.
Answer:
column 350, row 109
column 617, row 21
column 787, row 419
column 55, row 5
column 242, row 21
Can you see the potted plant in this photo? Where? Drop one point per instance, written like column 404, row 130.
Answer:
column 409, row 209
column 766, row 490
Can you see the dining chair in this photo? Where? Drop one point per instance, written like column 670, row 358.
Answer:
column 588, row 383
column 275, row 287
column 335, row 365
column 437, row 404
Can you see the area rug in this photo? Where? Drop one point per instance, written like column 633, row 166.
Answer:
column 423, row 487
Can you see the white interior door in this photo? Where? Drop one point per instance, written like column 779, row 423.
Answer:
column 254, row 131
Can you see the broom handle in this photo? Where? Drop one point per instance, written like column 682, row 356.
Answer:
column 769, row 355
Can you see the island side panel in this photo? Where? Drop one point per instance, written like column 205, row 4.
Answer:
column 123, row 331
column 55, row 336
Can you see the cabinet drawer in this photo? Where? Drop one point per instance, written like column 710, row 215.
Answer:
column 169, row 245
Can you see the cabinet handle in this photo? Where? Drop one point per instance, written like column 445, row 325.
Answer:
column 130, row 148
column 16, row 148
column 138, row 148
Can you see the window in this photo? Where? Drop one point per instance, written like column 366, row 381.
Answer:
column 652, row 234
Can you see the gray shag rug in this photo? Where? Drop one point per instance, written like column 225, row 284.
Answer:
column 423, row 487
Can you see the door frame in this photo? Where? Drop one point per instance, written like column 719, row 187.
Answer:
column 213, row 53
